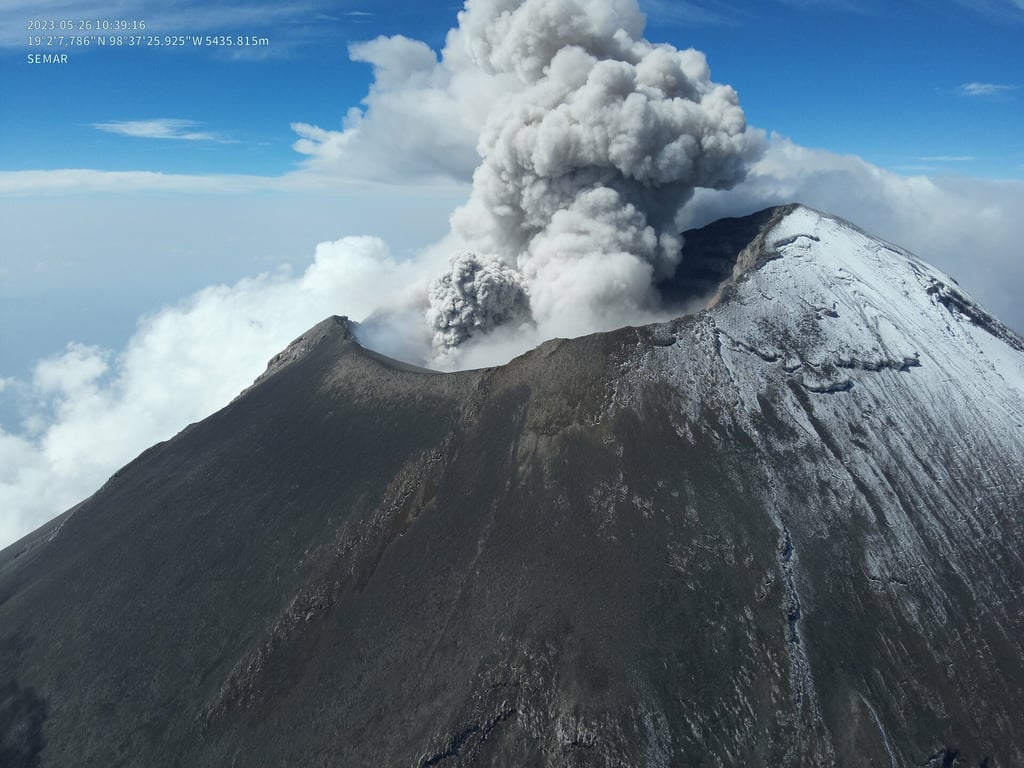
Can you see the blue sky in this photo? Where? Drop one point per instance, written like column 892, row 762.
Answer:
column 913, row 87
column 236, row 103
column 171, row 217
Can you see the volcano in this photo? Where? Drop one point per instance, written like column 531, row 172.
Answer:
column 785, row 530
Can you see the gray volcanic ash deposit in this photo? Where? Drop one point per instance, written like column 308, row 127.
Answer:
column 784, row 531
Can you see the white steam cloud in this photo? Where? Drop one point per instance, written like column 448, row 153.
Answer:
column 89, row 411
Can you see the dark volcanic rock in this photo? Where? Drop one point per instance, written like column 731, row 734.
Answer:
column 786, row 531
column 718, row 253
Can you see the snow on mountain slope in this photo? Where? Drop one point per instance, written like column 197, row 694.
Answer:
column 884, row 412
column 831, row 310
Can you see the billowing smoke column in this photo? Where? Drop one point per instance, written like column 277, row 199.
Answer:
column 479, row 294
column 585, row 166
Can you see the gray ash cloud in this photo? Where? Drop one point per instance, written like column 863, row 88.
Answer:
column 478, row 294
column 586, row 163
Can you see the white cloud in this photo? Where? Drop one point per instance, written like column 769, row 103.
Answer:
column 93, row 410
column 1000, row 10
column 681, row 12
column 420, row 120
column 947, row 159
column 162, row 128
column 78, row 369
column 985, row 89
column 89, row 180
column 839, row 5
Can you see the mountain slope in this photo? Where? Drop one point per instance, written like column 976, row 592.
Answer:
column 783, row 531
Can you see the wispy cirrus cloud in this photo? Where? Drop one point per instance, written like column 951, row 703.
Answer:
column 93, row 181
column 163, row 128
column 90, row 181
column 986, row 89
column 846, row 6
column 947, row 159
column 683, row 11
column 1000, row 11
column 1004, row 10
column 933, row 164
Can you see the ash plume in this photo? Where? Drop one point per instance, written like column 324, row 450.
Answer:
column 586, row 161
column 477, row 295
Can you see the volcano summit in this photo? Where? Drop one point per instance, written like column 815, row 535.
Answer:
column 786, row 530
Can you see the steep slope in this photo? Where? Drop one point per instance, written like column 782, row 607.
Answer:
column 784, row 531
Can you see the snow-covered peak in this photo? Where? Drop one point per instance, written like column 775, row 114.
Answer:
column 857, row 366
column 832, row 303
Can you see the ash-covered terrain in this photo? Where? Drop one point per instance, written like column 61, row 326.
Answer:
column 786, row 530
